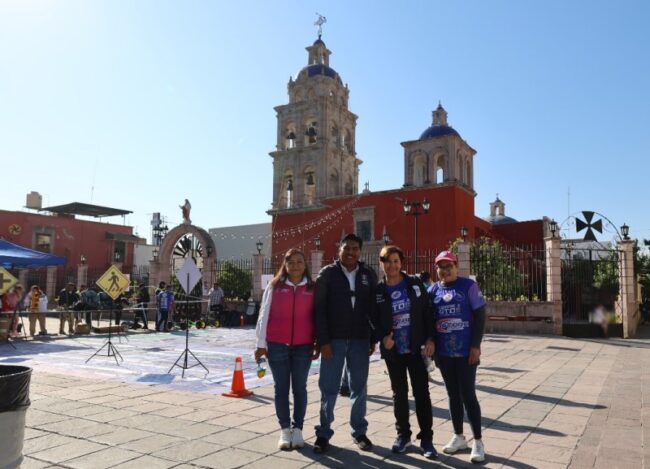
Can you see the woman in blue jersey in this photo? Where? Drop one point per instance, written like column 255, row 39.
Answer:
column 459, row 322
column 403, row 324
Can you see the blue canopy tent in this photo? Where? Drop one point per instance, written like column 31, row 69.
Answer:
column 15, row 256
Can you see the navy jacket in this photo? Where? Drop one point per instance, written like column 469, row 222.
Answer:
column 421, row 314
column 335, row 317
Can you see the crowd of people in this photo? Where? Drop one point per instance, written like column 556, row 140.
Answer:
column 343, row 315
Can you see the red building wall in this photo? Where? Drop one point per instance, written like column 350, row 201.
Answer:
column 71, row 237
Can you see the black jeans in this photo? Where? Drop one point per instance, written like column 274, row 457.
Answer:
column 141, row 313
column 398, row 366
column 460, row 381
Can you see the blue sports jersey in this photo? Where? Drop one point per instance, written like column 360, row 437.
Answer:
column 165, row 300
column 401, row 316
column 453, row 306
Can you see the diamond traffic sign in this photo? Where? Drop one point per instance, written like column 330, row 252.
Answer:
column 6, row 280
column 113, row 282
column 189, row 275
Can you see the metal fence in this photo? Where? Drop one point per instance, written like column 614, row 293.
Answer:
column 509, row 273
column 590, row 277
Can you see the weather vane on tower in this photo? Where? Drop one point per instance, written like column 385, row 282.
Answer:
column 319, row 22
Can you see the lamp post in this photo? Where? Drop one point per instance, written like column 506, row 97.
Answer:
column 413, row 208
column 155, row 253
column 552, row 227
column 259, row 245
column 463, row 233
column 82, row 260
column 625, row 231
column 386, row 238
column 317, row 243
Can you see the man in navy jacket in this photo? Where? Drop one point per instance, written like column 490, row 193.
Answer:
column 344, row 302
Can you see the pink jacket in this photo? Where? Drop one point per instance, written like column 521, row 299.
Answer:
column 287, row 315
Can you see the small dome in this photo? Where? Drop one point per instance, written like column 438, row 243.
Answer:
column 500, row 220
column 438, row 131
column 318, row 69
column 319, row 41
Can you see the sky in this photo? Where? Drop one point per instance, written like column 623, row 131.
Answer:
column 139, row 105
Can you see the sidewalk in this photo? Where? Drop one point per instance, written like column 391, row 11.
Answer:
column 547, row 403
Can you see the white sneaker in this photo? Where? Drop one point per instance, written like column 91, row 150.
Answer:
column 457, row 443
column 285, row 439
column 297, row 441
column 478, row 452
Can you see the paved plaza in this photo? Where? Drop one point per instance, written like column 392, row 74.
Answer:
column 547, row 403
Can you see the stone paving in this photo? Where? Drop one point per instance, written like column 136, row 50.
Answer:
column 547, row 403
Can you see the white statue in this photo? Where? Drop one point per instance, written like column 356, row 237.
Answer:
column 186, row 207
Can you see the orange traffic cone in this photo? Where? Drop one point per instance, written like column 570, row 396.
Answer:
column 238, row 388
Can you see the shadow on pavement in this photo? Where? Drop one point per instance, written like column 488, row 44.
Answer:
column 534, row 397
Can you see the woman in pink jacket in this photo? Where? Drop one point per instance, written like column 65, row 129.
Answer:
column 286, row 335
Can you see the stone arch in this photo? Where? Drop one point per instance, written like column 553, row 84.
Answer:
column 419, row 169
column 440, row 167
column 468, row 171
column 160, row 268
column 333, row 183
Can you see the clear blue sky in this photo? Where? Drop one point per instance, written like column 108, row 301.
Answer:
column 150, row 102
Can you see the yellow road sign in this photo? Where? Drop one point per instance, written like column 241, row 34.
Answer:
column 6, row 280
column 113, row 282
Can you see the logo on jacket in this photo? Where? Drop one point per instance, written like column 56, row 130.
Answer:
column 445, row 326
column 396, row 294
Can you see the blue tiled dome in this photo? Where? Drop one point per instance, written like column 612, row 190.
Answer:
column 438, row 131
column 319, row 69
column 500, row 220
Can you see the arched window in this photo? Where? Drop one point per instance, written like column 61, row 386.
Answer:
column 346, row 141
column 310, row 185
column 311, row 133
column 286, row 190
column 419, row 170
column 440, row 168
column 290, row 137
column 468, row 172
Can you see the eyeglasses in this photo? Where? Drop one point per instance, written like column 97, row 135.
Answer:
column 448, row 266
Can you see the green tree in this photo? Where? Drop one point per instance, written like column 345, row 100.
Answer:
column 606, row 274
column 235, row 281
column 495, row 270
column 642, row 269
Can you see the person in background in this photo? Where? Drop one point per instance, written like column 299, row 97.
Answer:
column 215, row 298
column 404, row 325
column 286, row 335
column 143, row 300
column 161, row 288
column 459, row 321
column 166, row 305
column 67, row 299
column 11, row 302
column 33, row 303
column 90, row 302
column 344, row 303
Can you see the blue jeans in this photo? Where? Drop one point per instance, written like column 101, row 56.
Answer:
column 163, row 314
column 290, row 367
column 355, row 352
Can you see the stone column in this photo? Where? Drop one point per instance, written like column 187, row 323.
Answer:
column 258, row 270
column 554, row 280
column 464, row 266
column 627, row 282
column 154, row 273
column 50, row 284
column 82, row 274
column 316, row 263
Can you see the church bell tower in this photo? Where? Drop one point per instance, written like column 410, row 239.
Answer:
column 314, row 156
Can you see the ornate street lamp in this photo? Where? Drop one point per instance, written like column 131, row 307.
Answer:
column 552, row 227
column 625, row 231
column 82, row 260
column 413, row 208
column 386, row 238
column 155, row 253
column 259, row 245
column 208, row 250
column 317, row 243
column 463, row 232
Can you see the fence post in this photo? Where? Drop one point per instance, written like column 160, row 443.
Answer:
column 554, row 280
column 258, row 270
column 630, row 309
column 50, row 284
column 22, row 279
column 316, row 263
column 464, row 262
column 82, row 274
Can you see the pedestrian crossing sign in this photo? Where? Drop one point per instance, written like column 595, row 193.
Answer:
column 6, row 280
column 113, row 282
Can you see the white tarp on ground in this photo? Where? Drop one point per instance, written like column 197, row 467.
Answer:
column 148, row 357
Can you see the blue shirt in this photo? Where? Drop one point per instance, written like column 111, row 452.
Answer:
column 401, row 317
column 165, row 300
column 453, row 307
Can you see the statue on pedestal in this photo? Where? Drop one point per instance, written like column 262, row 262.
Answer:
column 186, row 207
